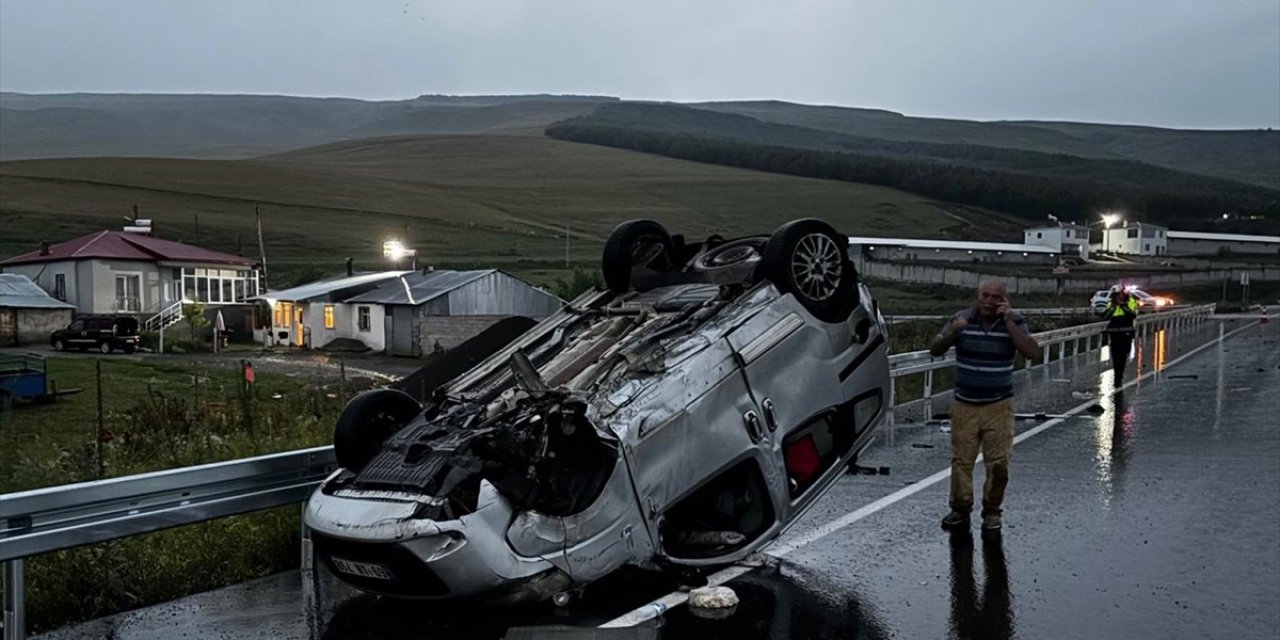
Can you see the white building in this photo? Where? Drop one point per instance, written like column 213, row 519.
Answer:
column 1194, row 243
column 314, row 314
column 1136, row 238
column 408, row 313
column 869, row 248
column 1067, row 238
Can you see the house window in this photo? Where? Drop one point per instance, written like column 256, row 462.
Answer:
column 60, row 286
column 1039, row 234
column 1133, row 233
column 328, row 316
column 362, row 318
column 128, row 288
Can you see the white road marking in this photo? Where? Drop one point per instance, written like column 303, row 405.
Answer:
column 676, row 598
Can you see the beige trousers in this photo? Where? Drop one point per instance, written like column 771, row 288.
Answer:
column 987, row 428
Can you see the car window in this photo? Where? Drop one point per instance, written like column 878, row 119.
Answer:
column 76, row 326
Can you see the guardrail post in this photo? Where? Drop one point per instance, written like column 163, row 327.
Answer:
column 928, row 394
column 1046, row 355
column 15, row 623
column 310, row 581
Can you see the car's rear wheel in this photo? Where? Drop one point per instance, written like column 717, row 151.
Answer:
column 367, row 421
column 810, row 259
column 104, row 347
column 59, row 345
column 635, row 245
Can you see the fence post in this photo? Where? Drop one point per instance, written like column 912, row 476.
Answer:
column 15, row 623
column 1046, row 355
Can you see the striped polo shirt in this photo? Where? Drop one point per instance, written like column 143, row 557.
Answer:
column 984, row 359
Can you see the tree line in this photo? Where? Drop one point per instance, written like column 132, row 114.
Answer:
column 1186, row 201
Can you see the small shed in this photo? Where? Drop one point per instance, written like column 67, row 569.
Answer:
column 27, row 314
column 427, row 311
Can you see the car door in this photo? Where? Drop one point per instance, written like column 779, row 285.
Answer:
column 76, row 332
column 713, row 449
column 820, row 387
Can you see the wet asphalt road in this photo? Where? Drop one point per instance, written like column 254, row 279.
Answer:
column 1158, row 517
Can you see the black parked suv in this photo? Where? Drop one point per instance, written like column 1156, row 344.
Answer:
column 104, row 333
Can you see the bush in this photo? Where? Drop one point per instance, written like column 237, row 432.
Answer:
column 581, row 282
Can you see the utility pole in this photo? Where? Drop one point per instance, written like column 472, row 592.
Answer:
column 262, row 250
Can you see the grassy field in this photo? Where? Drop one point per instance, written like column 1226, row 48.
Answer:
column 158, row 415
column 494, row 200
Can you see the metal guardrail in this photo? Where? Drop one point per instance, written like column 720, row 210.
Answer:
column 61, row 517
column 1082, row 336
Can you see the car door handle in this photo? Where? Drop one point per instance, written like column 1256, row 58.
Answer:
column 770, row 416
column 752, row 420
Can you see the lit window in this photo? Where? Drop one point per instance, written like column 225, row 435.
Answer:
column 328, row 316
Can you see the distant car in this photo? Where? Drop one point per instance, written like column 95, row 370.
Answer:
column 684, row 417
column 104, row 333
column 1147, row 300
column 1098, row 303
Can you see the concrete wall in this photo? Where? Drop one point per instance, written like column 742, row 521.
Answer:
column 103, row 278
column 31, row 326
column 1188, row 247
column 954, row 276
column 451, row 331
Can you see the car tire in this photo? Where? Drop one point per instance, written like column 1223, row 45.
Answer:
column 130, row 349
column 104, row 347
column 724, row 256
column 635, row 244
column 810, row 260
column 367, row 421
column 59, row 345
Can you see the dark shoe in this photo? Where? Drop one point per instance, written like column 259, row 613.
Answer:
column 991, row 522
column 955, row 520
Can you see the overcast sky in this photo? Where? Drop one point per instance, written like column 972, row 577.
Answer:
column 1181, row 63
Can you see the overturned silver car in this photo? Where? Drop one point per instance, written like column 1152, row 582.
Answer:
column 683, row 417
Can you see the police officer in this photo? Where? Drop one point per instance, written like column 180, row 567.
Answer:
column 1122, row 310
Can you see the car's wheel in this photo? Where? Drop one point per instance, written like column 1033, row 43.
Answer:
column 367, row 421
column 810, row 259
column 730, row 255
column 59, row 345
column 130, row 349
column 635, row 244
column 104, row 347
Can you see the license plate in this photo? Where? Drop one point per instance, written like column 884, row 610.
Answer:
column 363, row 569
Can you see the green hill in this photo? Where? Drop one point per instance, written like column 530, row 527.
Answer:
column 1018, row 181
column 494, row 200
column 1250, row 156
column 236, row 126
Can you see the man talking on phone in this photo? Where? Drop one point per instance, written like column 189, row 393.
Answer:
column 987, row 337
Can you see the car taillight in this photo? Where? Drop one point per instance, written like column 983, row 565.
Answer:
column 802, row 459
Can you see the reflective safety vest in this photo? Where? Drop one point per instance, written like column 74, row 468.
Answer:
column 1118, row 311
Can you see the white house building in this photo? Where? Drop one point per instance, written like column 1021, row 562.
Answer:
column 1194, row 243
column 1067, row 238
column 133, row 273
column 1136, row 238
column 314, row 314
column 408, row 313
